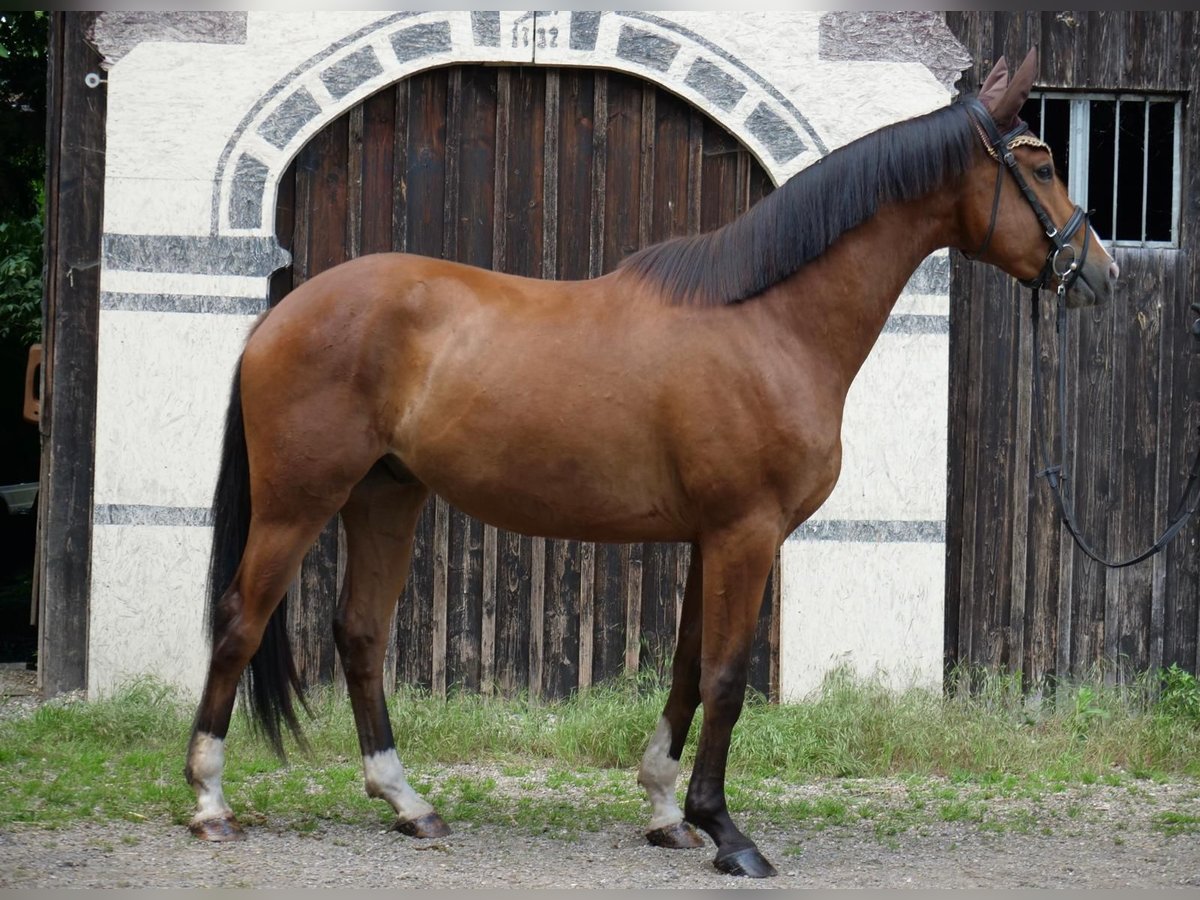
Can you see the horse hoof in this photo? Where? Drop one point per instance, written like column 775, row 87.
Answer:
column 429, row 825
column 747, row 861
column 223, row 829
column 678, row 836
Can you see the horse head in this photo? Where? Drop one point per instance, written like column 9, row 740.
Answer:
column 1024, row 222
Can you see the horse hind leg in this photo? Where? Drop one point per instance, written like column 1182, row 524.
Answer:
column 271, row 559
column 380, row 518
column 659, row 770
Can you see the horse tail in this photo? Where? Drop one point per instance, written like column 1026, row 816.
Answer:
column 270, row 680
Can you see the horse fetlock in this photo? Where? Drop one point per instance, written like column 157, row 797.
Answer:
column 386, row 780
column 657, row 776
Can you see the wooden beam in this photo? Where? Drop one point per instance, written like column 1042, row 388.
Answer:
column 71, row 310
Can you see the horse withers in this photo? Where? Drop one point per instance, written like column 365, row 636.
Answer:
column 694, row 394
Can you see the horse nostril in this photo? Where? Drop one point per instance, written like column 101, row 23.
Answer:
column 1114, row 272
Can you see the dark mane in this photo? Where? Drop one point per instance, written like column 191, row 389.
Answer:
column 800, row 220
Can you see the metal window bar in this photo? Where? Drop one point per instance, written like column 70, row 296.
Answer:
column 1116, row 166
column 1176, row 175
column 1081, row 123
column 1145, row 165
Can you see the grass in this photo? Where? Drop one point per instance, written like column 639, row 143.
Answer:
column 122, row 757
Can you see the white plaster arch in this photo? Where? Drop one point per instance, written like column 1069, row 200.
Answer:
column 359, row 64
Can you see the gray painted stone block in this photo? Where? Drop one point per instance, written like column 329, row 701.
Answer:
column 246, row 192
column 289, row 118
column 116, row 32
column 421, row 40
column 715, row 84
column 585, row 27
column 485, row 28
column 894, row 36
column 776, row 135
column 345, row 75
column 645, row 47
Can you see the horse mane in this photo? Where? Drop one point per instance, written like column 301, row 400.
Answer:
column 800, row 220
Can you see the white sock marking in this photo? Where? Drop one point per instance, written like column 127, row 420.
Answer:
column 206, row 762
column 658, row 775
column 385, row 778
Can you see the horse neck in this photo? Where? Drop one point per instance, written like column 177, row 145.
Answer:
column 838, row 304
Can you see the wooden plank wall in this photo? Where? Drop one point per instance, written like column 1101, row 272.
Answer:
column 71, row 310
column 1020, row 596
column 543, row 172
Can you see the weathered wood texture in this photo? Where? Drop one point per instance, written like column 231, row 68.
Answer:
column 1020, row 596
column 536, row 171
column 71, row 310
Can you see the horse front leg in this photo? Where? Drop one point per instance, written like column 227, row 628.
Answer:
column 660, row 763
column 736, row 567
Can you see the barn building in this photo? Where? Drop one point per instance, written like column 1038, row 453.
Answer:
column 204, row 163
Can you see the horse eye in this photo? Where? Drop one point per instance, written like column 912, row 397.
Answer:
column 1044, row 173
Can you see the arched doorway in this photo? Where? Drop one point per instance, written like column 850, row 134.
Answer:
column 547, row 172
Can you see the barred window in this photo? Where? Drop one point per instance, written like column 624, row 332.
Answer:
column 1119, row 155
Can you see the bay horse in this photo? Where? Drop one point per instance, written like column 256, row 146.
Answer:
column 693, row 394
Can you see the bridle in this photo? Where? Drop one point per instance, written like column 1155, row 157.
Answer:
column 1063, row 261
column 1065, row 264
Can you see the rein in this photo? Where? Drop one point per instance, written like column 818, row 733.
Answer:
column 1066, row 270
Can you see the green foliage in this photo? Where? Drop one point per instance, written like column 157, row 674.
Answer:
column 21, row 281
column 24, row 38
column 1180, row 695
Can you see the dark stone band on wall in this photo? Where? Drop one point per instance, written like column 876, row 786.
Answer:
column 183, row 303
column 867, row 531
column 138, row 514
column 917, row 531
column 253, row 256
column 908, row 324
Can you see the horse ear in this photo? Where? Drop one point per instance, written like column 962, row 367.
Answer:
column 1005, row 110
column 995, row 83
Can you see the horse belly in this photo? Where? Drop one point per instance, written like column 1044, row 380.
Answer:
column 564, row 474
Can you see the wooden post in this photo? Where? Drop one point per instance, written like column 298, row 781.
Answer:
column 70, row 316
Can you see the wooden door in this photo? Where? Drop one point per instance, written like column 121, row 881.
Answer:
column 1020, row 595
column 553, row 173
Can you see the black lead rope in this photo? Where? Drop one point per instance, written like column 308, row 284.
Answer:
column 1066, row 264
column 1056, row 475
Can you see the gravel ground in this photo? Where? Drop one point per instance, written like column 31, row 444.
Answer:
column 1095, row 836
